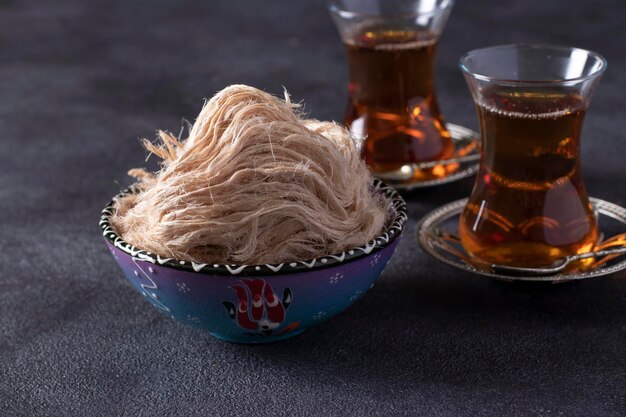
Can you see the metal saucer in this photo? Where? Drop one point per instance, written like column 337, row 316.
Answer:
column 436, row 233
column 462, row 138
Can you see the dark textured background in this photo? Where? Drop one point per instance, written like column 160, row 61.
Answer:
column 80, row 81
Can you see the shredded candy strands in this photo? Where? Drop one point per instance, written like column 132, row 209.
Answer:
column 254, row 183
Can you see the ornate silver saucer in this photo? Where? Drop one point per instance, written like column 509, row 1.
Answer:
column 467, row 155
column 437, row 235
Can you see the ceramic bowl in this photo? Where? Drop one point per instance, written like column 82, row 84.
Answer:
column 258, row 303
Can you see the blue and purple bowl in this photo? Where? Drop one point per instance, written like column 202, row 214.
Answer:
column 258, row 303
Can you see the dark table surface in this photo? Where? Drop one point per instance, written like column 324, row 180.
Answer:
column 80, row 81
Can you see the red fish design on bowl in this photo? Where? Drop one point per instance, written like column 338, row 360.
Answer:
column 259, row 309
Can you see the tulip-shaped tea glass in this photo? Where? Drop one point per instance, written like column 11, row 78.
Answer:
column 529, row 206
column 392, row 103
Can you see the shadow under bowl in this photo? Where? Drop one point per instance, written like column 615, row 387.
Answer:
column 258, row 303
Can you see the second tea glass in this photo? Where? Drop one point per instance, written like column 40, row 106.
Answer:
column 392, row 102
column 529, row 206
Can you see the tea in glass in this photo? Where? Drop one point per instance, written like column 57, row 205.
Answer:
column 392, row 100
column 529, row 206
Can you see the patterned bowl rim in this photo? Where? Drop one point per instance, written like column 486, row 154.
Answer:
column 392, row 231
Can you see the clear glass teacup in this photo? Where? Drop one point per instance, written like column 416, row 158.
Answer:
column 529, row 206
column 392, row 102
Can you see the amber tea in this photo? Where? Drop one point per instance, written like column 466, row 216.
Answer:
column 392, row 100
column 529, row 205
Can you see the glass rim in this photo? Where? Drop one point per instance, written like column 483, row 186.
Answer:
column 539, row 46
column 346, row 14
